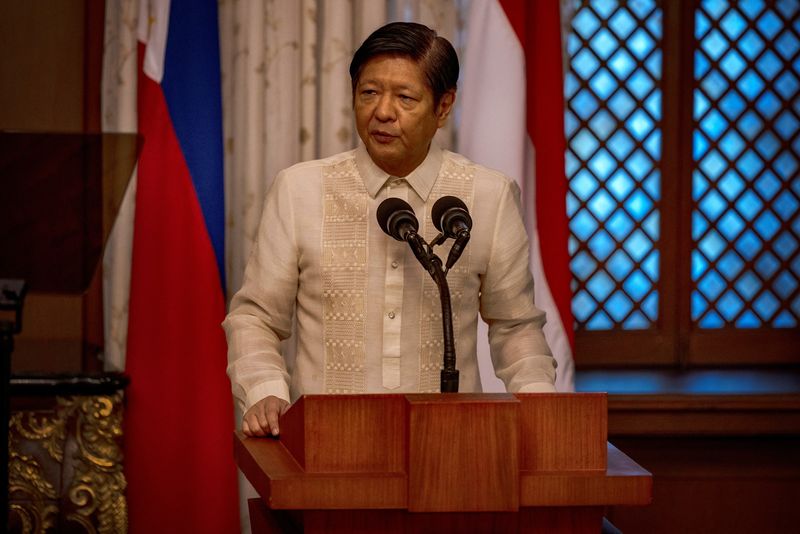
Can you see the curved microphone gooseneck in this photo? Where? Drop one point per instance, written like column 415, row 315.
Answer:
column 396, row 218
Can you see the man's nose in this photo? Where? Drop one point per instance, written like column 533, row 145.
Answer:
column 384, row 111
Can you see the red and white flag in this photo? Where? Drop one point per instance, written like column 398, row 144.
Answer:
column 512, row 120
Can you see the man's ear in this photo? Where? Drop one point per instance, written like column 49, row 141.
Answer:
column 446, row 104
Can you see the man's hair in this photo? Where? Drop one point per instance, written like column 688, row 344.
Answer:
column 434, row 55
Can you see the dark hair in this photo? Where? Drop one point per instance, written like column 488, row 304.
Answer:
column 435, row 55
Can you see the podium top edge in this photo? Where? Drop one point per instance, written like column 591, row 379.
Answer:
column 450, row 397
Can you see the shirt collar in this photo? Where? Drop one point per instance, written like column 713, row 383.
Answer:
column 420, row 179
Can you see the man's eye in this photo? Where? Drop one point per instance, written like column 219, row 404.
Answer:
column 406, row 98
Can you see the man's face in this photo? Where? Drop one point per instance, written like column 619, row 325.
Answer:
column 395, row 115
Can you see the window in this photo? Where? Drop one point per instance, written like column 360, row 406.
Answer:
column 682, row 126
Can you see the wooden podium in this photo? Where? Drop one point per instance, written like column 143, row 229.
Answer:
column 440, row 463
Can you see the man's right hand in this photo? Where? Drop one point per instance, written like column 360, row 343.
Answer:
column 262, row 417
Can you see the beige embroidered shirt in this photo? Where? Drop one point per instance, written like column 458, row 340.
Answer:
column 368, row 314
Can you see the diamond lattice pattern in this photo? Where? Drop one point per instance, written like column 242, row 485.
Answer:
column 612, row 124
column 745, row 186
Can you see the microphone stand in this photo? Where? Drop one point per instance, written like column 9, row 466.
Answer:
column 433, row 264
column 449, row 378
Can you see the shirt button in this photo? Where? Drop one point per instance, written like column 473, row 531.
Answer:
column 391, row 315
column 395, row 264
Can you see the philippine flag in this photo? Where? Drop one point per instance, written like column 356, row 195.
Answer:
column 512, row 119
column 179, row 418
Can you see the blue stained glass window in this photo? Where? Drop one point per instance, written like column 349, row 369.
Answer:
column 621, row 144
column 769, row 24
column 653, row 106
column 604, row 8
column 622, row 23
column 750, row 84
column 731, row 185
column 749, row 124
column 769, row 65
column 619, row 265
column 585, row 23
column 787, row 45
column 622, row 104
column 730, row 225
column 639, row 165
column 731, row 145
column 732, row 105
column 751, row 45
column 786, row 125
column 602, row 124
column 603, row 43
column 714, row 44
column 733, row 24
column 601, row 245
column 622, row 64
column 745, row 145
column 733, row 64
column 612, row 162
column 712, row 285
column 640, row 84
column 602, row 204
column 603, row 84
column 715, row 84
column 730, row 265
column 583, row 265
column 600, row 285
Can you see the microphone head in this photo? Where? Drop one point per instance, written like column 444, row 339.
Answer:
column 394, row 214
column 448, row 210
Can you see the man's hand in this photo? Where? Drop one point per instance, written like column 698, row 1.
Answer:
column 262, row 417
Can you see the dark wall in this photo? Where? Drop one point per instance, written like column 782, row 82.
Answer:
column 50, row 72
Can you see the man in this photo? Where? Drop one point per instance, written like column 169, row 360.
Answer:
column 368, row 315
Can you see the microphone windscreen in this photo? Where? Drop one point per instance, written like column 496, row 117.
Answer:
column 389, row 207
column 441, row 206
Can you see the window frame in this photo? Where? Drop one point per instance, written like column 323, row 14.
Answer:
column 674, row 341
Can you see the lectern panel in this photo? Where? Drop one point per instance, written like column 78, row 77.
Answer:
column 347, row 433
column 463, row 454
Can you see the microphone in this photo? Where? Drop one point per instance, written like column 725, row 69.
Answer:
column 451, row 217
column 396, row 218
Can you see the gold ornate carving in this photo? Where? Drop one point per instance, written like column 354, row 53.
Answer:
column 80, row 440
column 26, row 481
column 98, row 485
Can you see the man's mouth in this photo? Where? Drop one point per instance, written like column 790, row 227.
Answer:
column 382, row 137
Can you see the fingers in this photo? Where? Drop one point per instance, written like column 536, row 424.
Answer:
column 272, row 413
column 262, row 419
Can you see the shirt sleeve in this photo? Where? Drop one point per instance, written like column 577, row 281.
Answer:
column 261, row 311
column 519, row 351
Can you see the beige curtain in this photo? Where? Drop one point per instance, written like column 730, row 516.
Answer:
column 119, row 115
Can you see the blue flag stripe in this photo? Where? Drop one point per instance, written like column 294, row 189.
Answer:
column 192, row 90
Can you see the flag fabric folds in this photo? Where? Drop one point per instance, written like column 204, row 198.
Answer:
column 179, row 417
column 512, row 119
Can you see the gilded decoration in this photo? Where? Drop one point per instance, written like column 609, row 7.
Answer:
column 66, row 471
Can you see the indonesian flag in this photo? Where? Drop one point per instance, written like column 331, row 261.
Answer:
column 512, row 120
column 179, row 419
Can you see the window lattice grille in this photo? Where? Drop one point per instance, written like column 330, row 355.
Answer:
column 745, row 186
column 612, row 122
